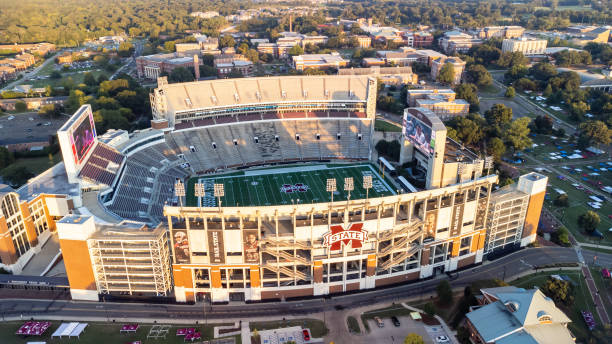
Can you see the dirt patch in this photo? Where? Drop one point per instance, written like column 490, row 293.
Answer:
column 429, row 320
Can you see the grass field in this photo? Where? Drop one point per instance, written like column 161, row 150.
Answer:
column 97, row 333
column 380, row 125
column 295, row 184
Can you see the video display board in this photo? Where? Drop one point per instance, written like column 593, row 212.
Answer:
column 83, row 135
column 418, row 132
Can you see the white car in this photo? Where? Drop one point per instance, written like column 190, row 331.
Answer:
column 442, row 340
column 10, row 117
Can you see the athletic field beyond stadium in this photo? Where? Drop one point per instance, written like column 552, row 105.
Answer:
column 287, row 185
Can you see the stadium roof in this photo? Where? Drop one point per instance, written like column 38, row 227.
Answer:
column 232, row 92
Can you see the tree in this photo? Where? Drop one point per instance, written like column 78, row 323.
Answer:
column 559, row 290
column 509, row 59
column 496, row 147
column 498, row 116
column 56, row 74
column 515, row 73
column 181, row 74
column 510, row 92
column 543, row 71
column 543, row 124
column 595, row 132
column 6, row 157
column 126, row 49
column 516, row 135
column 445, row 293
column 469, row 92
column 89, row 79
column 589, row 221
column 16, row 175
column 479, row 75
column 447, row 74
column 50, row 110
column 413, row 338
column 429, row 309
column 296, row 50
column 20, row 106
column 561, row 201
column 561, row 236
column 226, row 41
column 467, row 131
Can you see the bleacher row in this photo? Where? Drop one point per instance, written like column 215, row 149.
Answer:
column 102, row 164
column 267, row 116
column 148, row 177
column 256, row 143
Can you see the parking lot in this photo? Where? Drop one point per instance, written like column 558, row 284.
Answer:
column 27, row 127
column 392, row 334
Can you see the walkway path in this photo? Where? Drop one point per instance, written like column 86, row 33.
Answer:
column 599, row 305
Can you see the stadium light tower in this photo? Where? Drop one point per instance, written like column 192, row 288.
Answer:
column 199, row 191
column 179, row 190
column 349, row 186
column 488, row 163
column 331, row 187
column 367, row 184
column 219, row 191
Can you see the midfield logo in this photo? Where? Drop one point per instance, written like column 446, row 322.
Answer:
column 354, row 235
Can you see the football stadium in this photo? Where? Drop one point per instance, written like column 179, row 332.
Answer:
column 265, row 189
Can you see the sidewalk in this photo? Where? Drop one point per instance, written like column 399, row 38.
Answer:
column 599, row 305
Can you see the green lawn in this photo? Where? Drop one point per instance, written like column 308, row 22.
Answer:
column 317, row 327
column 97, row 333
column 582, row 299
column 353, row 325
column 306, row 183
column 77, row 78
column 490, row 90
column 381, row 125
column 604, row 286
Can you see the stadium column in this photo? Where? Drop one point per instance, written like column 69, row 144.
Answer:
column 183, row 282
column 533, row 184
column 426, row 268
column 218, row 293
column 73, row 232
column 255, row 283
column 29, row 225
column 320, row 288
column 370, row 280
column 8, row 255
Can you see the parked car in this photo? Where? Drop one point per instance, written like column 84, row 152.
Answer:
column 306, row 334
column 395, row 321
column 379, row 322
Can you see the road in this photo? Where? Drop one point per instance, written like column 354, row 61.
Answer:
column 131, row 62
column 510, row 265
column 31, row 73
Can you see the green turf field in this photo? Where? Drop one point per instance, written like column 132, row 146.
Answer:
column 287, row 185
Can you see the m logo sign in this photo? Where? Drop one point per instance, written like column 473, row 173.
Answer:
column 354, row 235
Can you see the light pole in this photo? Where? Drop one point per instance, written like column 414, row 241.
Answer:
column 199, row 192
column 331, row 188
column 219, row 191
column 349, row 185
column 179, row 190
column 488, row 163
column 367, row 184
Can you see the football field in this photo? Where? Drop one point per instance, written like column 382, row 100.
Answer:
column 287, row 185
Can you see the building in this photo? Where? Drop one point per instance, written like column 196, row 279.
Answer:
column 517, row 315
column 152, row 66
column 457, row 42
column 41, row 49
column 205, row 15
column 32, row 103
column 226, row 63
column 458, row 64
column 124, row 258
column 185, row 47
column 402, row 57
column 525, row 45
column 595, row 35
column 500, row 32
column 207, row 43
column 319, row 61
column 441, row 101
column 373, row 61
column 19, row 65
column 256, row 250
column 422, row 39
column 364, row 41
column 26, row 225
column 7, row 73
column 387, row 75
